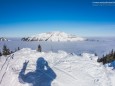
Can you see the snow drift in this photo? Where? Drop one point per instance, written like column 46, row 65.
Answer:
column 70, row 69
column 54, row 36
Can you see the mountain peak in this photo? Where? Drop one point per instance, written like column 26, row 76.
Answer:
column 54, row 36
column 3, row 39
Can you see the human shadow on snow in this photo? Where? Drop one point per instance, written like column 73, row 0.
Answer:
column 42, row 76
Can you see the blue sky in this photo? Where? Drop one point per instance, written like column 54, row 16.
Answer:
column 20, row 18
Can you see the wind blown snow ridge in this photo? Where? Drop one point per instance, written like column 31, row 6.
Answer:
column 54, row 36
column 70, row 69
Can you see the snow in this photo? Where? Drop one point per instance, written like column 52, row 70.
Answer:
column 54, row 37
column 70, row 69
column 3, row 39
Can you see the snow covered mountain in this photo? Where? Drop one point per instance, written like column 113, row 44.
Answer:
column 68, row 69
column 3, row 39
column 53, row 36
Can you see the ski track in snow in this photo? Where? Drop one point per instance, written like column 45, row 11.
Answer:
column 4, row 67
column 71, row 70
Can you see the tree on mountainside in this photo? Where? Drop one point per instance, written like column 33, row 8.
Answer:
column 0, row 53
column 96, row 54
column 5, row 50
column 18, row 48
column 112, row 51
column 107, row 58
column 39, row 49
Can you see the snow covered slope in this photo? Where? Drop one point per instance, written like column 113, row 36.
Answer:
column 3, row 39
column 54, row 36
column 70, row 69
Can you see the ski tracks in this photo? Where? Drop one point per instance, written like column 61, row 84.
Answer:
column 96, row 77
column 4, row 67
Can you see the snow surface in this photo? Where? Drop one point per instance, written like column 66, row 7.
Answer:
column 54, row 36
column 71, row 69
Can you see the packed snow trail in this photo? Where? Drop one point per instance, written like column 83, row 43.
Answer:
column 5, row 67
column 5, row 62
column 71, row 70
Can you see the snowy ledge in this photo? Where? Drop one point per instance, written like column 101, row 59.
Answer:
column 79, row 70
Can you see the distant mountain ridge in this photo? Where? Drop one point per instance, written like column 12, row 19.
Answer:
column 53, row 36
column 3, row 39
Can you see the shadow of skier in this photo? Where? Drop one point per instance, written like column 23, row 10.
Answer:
column 42, row 76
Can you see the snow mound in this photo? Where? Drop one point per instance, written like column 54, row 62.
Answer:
column 53, row 36
column 70, row 69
